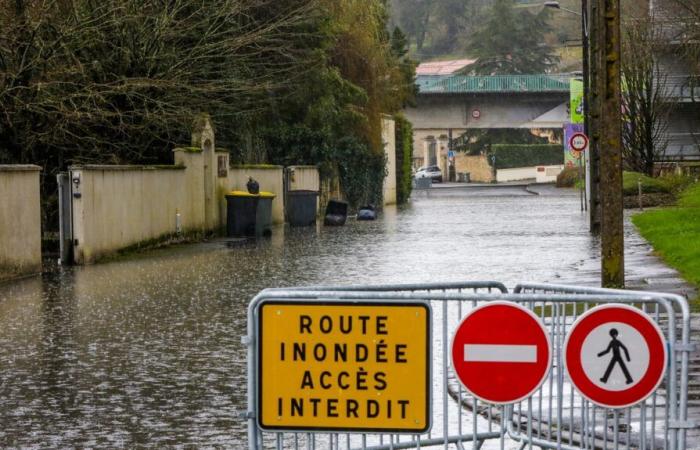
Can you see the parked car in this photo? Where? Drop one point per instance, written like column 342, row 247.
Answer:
column 430, row 172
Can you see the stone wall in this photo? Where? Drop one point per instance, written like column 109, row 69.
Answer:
column 20, row 221
column 478, row 167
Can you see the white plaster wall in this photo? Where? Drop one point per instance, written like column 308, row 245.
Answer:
column 20, row 221
column 304, row 178
column 270, row 179
column 389, row 140
column 516, row 174
column 548, row 174
column 121, row 206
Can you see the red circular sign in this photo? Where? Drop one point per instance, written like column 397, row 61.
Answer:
column 501, row 352
column 578, row 142
column 476, row 113
column 615, row 355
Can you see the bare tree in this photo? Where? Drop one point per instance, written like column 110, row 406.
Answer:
column 645, row 97
column 121, row 80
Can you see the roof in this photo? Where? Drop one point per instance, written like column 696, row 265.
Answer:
column 435, row 84
column 442, row 67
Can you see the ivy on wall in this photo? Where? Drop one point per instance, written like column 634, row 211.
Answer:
column 362, row 172
column 404, row 155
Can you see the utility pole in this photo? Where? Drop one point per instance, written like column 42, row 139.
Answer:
column 609, row 126
column 592, row 112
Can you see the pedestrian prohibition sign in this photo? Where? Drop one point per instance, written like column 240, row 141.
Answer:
column 501, row 352
column 615, row 355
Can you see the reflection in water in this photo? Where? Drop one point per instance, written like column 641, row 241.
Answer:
column 146, row 351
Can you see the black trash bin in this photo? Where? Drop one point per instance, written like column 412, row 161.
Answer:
column 263, row 216
column 336, row 213
column 301, row 208
column 248, row 214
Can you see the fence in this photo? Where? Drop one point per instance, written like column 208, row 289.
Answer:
column 555, row 416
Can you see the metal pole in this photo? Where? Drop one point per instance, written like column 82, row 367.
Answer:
column 588, row 190
column 612, row 239
column 591, row 86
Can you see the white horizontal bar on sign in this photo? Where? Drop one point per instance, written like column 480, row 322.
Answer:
column 500, row 353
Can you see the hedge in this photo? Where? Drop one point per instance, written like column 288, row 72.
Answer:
column 404, row 155
column 509, row 156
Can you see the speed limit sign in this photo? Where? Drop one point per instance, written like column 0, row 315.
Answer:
column 578, row 142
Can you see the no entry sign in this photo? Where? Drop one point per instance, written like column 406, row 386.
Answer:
column 344, row 366
column 615, row 355
column 501, row 352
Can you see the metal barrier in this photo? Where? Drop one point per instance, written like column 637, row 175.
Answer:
column 660, row 422
column 555, row 416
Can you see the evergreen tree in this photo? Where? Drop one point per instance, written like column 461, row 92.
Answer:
column 511, row 42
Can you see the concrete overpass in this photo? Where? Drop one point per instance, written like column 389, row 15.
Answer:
column 451, row 104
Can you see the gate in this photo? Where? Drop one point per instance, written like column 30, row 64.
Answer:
column 555, row 416
column 65, row 217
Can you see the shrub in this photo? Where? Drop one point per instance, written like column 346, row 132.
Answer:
column 404, row 154
column 569, row 177
column 509, row 156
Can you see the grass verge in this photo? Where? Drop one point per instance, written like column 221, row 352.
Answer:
column 675, row 233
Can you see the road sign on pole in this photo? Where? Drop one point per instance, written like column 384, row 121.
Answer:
column 615, row 355
column 579, row 142
column 501, row 352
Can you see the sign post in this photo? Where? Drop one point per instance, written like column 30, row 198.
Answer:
column 344, row 366
column 501, row 352
column 615, row 355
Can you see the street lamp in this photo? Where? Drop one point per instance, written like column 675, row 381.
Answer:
column 556, row 5
column 591, row 159
column 585, row 38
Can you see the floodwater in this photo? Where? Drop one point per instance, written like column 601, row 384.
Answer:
column 146, row 351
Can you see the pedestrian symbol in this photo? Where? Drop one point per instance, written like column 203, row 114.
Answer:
column 615, row 355
column 615, row 346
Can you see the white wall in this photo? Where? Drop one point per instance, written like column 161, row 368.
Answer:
column 548, row 174
column 20, row 221
column 304, row 178
column 516, row 174
column 120, row 206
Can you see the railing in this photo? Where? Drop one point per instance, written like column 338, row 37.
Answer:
column 454, row 84
column 682, row 88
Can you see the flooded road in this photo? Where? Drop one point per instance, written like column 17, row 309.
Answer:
column 145, row 351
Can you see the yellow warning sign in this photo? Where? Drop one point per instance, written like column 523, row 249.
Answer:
column 344, row 366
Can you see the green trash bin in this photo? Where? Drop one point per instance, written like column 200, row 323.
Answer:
column 248, row 214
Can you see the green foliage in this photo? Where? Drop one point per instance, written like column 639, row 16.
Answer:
column 675, row 233
column 509, row 156
column 510, row 41
column 630, row 182
column 477, row 140
column 670, row 184
column 362, row 172
column 404, row 155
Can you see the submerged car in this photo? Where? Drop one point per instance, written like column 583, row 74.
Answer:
column 432, row 172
